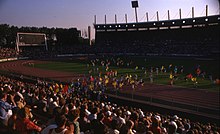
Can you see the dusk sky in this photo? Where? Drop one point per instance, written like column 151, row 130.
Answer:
column 80, row 13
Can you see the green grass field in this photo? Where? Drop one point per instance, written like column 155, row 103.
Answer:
column 84, row 66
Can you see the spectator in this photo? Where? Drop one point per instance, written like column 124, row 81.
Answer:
column 93, row 114
column 172, row 128
column 73, row 117
column 5, row 107
column 51, row 124
column 24, row 125
column 100, row 127
column 130, row 125
column 19, row 101
column 84, row 123
column 12, row 120
column 118, row 117
column 108, row 118
column 114, row 128
column 61, row 126
column 155, row 128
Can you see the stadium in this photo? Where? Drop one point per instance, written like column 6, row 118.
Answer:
column 160, row 75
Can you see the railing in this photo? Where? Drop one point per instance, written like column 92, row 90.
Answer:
column 169, row 104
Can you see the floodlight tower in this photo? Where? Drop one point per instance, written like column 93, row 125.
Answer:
column 135, row 6
column 89, row 35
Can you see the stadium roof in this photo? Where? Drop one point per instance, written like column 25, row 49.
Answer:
column 198, row 21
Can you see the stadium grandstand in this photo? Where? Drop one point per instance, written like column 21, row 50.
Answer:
column 184, row 37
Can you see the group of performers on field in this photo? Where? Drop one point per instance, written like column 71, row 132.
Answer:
column 110, row 77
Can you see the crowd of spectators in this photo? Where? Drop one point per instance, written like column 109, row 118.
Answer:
column 185, row 41
column 137, row 47
column 37, row 53
column 7, row 53
column 49, row 108
column 163, row 48
column 150, row 49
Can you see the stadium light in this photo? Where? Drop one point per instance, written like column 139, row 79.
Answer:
column 135, row 6
column 94, row 19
